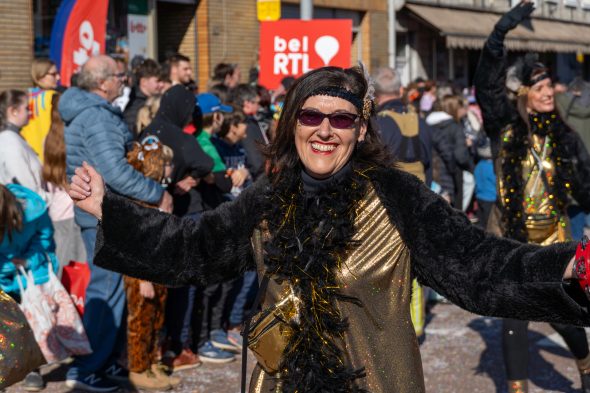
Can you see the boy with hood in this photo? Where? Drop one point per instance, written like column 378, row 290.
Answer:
column 190, row 165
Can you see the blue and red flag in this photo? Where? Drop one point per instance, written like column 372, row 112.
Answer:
column 78, row 33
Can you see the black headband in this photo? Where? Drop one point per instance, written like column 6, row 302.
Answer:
column 538, row 78
column 340, row 93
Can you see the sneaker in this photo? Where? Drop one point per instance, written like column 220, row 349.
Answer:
column 162, row 372
column 220, row 340
column 92, row 383
column 187, row 359
column 116, row 373
column 33, row 382
column 235, row 337
column 211, row 354
column 147, row 380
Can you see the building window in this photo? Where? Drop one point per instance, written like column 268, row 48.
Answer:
column 571, row 3
column 585, row 4
column 291, row 11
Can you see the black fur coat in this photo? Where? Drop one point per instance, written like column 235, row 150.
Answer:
column 475, row 270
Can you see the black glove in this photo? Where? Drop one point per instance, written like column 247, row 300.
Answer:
column 509, row 21
column 514, row 17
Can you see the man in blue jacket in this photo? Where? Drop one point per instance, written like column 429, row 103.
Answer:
column 95, row 131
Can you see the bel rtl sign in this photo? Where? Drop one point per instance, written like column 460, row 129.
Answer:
column 293, row 47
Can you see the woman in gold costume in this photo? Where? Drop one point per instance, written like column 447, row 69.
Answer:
column 336, row 234
column 539, row 163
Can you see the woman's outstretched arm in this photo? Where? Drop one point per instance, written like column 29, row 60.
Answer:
column 477, row 271
column 490, row 76
column 155, row 246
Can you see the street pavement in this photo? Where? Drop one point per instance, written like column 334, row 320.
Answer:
column 460, row 353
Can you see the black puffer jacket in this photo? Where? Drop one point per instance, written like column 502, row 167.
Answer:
column 451, row 155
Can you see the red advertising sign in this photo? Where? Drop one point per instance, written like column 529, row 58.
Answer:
column 293, row 47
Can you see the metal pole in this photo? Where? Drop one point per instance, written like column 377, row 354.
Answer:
column 451, row 64
column 306, row 9
column 391, row 27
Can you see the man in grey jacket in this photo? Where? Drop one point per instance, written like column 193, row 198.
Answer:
column 95, row 131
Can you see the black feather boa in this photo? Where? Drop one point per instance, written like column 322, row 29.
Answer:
column 310, row 236
column 515, row 146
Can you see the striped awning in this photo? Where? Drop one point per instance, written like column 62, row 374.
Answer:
column 469, row 29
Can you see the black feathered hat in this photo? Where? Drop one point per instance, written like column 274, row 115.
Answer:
column 527, row 71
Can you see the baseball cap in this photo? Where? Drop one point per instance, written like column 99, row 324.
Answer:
column 210, row 103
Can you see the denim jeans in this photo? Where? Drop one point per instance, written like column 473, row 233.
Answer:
column 577, row 221
column 236, row 316
column 208, row 316
column 179, row 310
column 104, row 310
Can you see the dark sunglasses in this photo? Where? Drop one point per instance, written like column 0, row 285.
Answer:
column 312, row 118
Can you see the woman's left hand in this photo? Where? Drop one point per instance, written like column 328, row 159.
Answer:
column 87, row 190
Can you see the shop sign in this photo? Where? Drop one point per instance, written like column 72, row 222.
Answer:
column 293, row 47
column 78, row 33
column 137, row 30
column 268, row 10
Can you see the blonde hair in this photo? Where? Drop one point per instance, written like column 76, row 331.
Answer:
column 147, row 112
column 40, row 68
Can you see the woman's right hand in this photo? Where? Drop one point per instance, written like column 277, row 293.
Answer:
column 87, row 190
column 515, row 16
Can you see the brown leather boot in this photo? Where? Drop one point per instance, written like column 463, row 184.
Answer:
column 518, row 386
column 147, row 380
column 162, row 372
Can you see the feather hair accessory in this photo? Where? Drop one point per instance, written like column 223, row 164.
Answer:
column 369, row 99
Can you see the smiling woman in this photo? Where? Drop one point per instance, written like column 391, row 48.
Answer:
column 336, row 234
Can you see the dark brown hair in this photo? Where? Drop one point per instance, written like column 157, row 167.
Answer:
column 222, row 70
column 451, row 105
column 10, row 99
column 54, row 151
column 282, row 154
column 177, row 58
column 11, row 213
column 147, row 69
column 231, row 119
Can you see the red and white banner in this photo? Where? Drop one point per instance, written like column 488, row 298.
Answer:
column 78, row 33
column 293, row 47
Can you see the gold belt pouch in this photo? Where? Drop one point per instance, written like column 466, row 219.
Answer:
column 540, row 227
column 270, row 332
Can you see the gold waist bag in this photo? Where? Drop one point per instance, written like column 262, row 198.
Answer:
column 270, row 332
column 540, row 227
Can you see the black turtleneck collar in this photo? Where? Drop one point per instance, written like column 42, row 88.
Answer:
column 313, row 186
column 11, row 127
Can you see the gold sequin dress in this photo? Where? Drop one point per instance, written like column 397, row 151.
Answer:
column 378, row 273
column 543, row 222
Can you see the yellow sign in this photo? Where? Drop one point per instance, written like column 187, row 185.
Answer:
column 268, row 10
